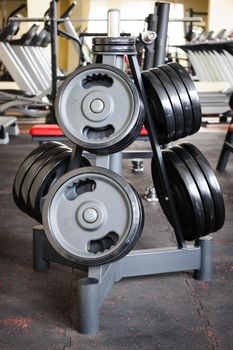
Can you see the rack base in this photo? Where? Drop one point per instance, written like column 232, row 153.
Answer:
column 93, row 289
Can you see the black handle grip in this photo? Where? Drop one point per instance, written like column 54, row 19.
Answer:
column 68, row 12
column 18, row 9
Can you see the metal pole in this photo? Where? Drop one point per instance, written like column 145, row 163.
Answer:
column 162, row 10
column 113, row 23
column 88, row 306
column 149, row 53
column 53, row 32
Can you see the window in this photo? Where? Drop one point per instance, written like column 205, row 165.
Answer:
column 135, row 11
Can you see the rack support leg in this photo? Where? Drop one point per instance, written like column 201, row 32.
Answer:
column 88, row 306
column 205, row 271
column 39, row 263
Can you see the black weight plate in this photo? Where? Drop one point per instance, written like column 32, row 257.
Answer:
column 45, row 178
column 212, row 183
column 184, row 98
column 25, row 165
column 123, row 40
column 174, row 99
column 192, row 91
column 31, row 173
column 186, row 196
column 231, row 102
column 202, row 186
column 113, row 48
column 161, row 108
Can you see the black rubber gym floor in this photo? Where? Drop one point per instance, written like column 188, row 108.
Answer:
column 171, row 311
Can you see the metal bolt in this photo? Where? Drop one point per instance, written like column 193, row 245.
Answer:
column 90, row 215
column 148, row 36
column 137, row 165
column 150, row 195
column 97, row 105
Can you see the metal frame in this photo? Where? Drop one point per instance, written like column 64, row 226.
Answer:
column 93, row 289
column 8, row 126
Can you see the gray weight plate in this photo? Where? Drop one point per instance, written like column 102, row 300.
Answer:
column 99, row 109
column 184, row 98
column 113, row 48
column 122, row 40
column 161, row 108
column 175, row 101
column 92, row 216
column 192, row 92
column 32, row 172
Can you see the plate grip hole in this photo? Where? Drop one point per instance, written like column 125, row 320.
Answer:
column 76, row 189
column 98, row 133
column 97, row 80
column 102, row 244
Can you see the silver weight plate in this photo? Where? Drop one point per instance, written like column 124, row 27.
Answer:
column 92, row 216
column 97, row 107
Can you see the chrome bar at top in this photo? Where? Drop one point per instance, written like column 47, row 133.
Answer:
column 46, row 19
column 113, row 23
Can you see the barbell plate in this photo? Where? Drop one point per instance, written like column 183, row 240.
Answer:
column 25, row 166
column 123, row 40
column 32, row 172
column 201, row 185
column 161, row 108
column 184, row 98
column 92, row 216
column 192, row 92
column 44, row 179
column 113, row 48
column 186, row 196
column 108, row 106
column 174, row 100
column 212, row 183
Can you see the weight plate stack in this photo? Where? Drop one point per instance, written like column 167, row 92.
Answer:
column 212, row 182
column 161, row 108
column 25, row 167
column 92, row 216
column 174, row 102
column 113, row 44
column 99, row 109
column 192, row 92
column 50, row 172
column 184, row 98
column 195, row 190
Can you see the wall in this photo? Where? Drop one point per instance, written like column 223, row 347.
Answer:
column 80, row 11
column 6, row 7
column 37, row 8
column 220, row 15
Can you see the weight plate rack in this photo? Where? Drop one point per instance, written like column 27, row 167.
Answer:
column 78, row 228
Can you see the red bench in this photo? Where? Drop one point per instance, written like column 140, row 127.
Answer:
column 227, row 148
column 52, row 132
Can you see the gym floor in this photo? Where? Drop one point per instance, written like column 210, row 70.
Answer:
column 171, row 311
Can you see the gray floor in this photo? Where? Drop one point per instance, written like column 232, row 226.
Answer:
column 171, row 311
